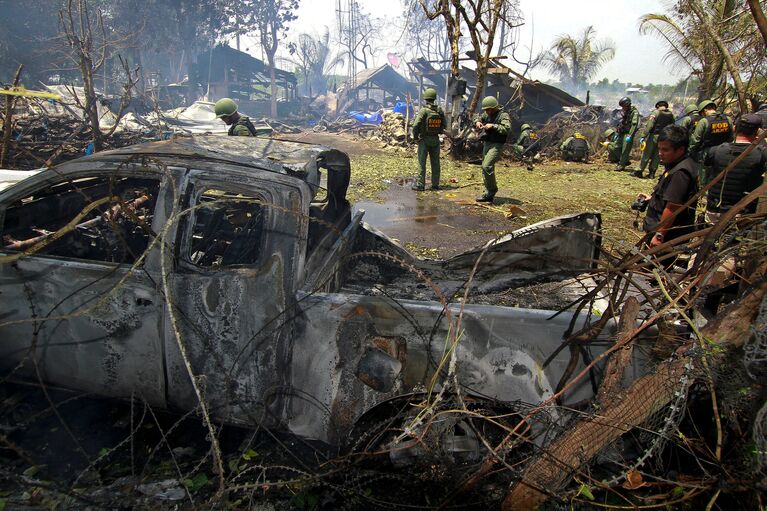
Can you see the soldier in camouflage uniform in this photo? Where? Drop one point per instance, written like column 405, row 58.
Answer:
column 576, row 148
column 428, row 125
column 613, row 145
column 626, row 130
column 495, row 124
column 690, row 119
column 239, row 125
column 714, row 128
column 659, row 119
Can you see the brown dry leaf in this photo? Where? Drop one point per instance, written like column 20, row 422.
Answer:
column 515, row 211
column 634, row 481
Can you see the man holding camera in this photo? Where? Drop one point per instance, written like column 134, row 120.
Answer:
column 676, row 186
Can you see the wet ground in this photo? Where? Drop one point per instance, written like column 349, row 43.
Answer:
column 433, row 223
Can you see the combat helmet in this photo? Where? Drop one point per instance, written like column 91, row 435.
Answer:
column 429, row 94
column 625, row 101
column 525, row 127
column 691, row 108
column 225, row 107
column 703, row 104
column 608, row 133
column 660, row 103
column 489, row 102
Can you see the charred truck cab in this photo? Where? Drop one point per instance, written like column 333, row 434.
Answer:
column 120, row 268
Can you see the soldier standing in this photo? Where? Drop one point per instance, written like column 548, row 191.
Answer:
column 690, row 119
column 575, row 148
column 428, row 126
column 496, row 125
column 612, row 143
column 239, row 125
column 714, row 128
column 659, row 119
column 627, row 129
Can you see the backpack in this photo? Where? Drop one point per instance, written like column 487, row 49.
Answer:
column 433, row 124
column 578, row 146
column 665, row 118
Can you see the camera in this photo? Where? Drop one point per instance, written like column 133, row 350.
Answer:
column 640, row 205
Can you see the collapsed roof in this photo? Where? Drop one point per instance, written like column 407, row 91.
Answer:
column 376, row 82
column 538, row 101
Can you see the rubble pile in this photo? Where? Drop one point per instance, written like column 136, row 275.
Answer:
column 589, row 120
column 392, row 131
column 37, row 138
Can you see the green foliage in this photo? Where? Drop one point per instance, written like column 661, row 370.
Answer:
column 197, row 482
column 691, row 49
column 576, row 60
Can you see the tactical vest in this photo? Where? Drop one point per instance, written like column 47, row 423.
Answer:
column 682, row 223
column 578, row 147
column 739, row 181
column 433, row 124
column 665, row 118
column 719, row 130
column 492, row 135
column 243, row 121
column 625, row 124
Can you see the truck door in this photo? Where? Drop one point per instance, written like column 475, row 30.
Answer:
column 237, row 257
column 81, row 310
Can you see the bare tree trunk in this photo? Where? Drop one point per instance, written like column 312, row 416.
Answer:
column 10, row 101
column 740, row 90
column 273, row 84
column 759, row 17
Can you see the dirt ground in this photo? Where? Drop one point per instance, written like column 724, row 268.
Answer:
column 439, row 224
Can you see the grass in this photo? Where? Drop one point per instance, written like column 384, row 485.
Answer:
column 553, row 189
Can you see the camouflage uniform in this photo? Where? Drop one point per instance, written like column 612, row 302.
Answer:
column 242, row 128
column 428, row 144
column 575, row 148
column 627, row 130
column 494, row 140
column 659, row 119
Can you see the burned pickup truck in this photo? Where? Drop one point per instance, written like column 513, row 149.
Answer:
column 232, row 263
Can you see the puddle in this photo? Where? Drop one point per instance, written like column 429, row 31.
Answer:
column 416, row 215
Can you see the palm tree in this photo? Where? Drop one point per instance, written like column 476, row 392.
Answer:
column 688, row 47
column 709, row 39
column 314, row 61
column 578, row 60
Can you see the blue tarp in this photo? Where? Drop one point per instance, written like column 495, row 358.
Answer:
column 366, row 118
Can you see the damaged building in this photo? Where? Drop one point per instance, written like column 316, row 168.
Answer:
column 528, row 100
column 375, row 88
column 226, row 72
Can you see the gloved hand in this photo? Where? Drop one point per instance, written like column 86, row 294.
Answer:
column 642, row 144
column 628, row 139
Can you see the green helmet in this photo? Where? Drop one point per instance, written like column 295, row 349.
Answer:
column 430, row 94
column 703, row 104
column 489, row 102
column 525, row 127
column 225, row 107
column 691, row 108
column 608, row 133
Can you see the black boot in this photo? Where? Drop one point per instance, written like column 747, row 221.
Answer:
column 485, row 197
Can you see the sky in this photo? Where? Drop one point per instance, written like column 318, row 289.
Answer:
column 638, row 59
